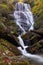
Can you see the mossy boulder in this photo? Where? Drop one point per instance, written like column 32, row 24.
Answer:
column 37, row 48
column 6, row 45
column 35, row 39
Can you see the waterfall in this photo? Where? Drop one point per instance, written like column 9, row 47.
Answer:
column 21, row 42
column 24, row 19
column 36, row 58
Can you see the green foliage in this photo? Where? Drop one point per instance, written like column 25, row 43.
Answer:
column 38, row 12
column 4, row 8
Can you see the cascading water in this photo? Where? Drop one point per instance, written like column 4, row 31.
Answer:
column 36, row 58
column 24, row 19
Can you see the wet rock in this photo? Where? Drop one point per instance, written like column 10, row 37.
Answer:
column 11, row 17
column 30, row 36
column 36, row 39
column 39, row 31
column 27, row 42
column 36, row 48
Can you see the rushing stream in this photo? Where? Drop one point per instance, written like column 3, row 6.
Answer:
column 24, row 19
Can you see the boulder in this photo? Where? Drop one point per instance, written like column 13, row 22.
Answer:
column 36, row 48
column 9, row 46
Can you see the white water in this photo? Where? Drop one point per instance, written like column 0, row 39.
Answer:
column 36, row 58
column 24, row 17
column 28, row 20
column 21, row 42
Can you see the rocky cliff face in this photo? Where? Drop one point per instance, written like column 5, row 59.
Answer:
column 9, row 28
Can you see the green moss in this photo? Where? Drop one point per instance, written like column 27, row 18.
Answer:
column 3, row 5
column 21, row 63
column 3, row 63
column 4, row 8
column 3, row 47
column 9, row 46
column 1, row 26
column 38, row 12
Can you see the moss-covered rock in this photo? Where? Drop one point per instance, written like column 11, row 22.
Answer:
column 6, row 45
column 37, row 47
column 21, row 63
column 32, row 37
column 35, row 39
